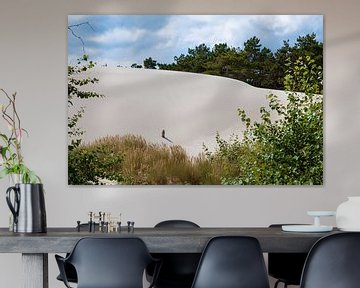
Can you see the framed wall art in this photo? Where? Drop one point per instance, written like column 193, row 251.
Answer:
column 195, row 99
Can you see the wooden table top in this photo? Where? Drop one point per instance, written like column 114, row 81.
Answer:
column 158, row 240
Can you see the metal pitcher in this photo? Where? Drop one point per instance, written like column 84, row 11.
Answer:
column 28, row 207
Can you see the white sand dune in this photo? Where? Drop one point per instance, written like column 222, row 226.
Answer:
column 191, row 108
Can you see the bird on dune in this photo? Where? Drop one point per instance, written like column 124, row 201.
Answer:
column 163, row 136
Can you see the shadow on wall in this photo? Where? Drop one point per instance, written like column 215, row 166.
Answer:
column 343, row 39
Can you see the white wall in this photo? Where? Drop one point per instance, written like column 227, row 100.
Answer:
column 33, row 62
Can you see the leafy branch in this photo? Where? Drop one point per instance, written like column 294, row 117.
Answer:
column 76, row 85
column 11, row 156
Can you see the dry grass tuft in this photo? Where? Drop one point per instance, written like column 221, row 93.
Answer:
column 158, row 164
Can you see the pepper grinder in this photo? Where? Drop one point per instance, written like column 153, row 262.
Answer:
column 90, row 221
column 131, row 226
column 78, row 226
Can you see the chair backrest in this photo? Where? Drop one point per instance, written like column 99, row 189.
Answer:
column 176, row 224
column 178, row 269
column 232, row 262
column 333, row 262
column 286, row 267
column 110, row 262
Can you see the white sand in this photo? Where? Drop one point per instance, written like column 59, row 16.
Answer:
column 190, row 107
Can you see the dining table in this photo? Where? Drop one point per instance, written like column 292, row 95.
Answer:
column 35, row 247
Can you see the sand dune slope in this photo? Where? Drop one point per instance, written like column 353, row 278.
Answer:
column 191, row 108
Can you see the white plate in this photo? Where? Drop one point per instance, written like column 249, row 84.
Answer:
column 350, row 229
column 321, row 213
column 306, row 228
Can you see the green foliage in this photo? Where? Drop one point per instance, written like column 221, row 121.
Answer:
column 76, row 89
column 149, row 63
column 305, row 46
column 254, row 64
column 75, row 132
column 93, row 164
column 305, row 76
column 12, row 161
column 308, row 46
column 135, row 65
column 288, row 150
column 26, row 175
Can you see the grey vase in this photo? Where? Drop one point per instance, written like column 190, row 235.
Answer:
column 27, row 207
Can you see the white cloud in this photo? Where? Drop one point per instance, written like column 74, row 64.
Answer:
column 280, row 25
column 120, row 35
column 192, row 30
column 229, row 30
column 167, row 35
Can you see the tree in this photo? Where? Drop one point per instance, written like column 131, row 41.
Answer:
column 224, row 61
column 258, row 64
column 195, row 60
column 253, row 64
column 282, row 60
column 264, row 69
column 287, row 55
column 252, row 48
column 149, row 63
column 308, row 46
column 135, row 65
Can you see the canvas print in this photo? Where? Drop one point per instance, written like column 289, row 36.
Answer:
column 195, row 100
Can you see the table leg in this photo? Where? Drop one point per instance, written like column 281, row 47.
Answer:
column 35, row 270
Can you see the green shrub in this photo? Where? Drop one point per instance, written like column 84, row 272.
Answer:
column 285, row 151
column 94, row 164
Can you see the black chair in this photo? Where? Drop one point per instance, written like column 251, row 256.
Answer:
column 286, row 267
column 108, row 263
column 69, row 269
column 333, row 262
column 176, row 224
column 232, row 262
column 178, row 269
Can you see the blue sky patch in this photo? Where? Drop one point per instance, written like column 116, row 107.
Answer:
column 126, row 39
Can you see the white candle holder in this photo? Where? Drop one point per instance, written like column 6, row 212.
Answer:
column 315, row 227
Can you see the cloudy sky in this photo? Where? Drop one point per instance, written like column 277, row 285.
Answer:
column 127, row 39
